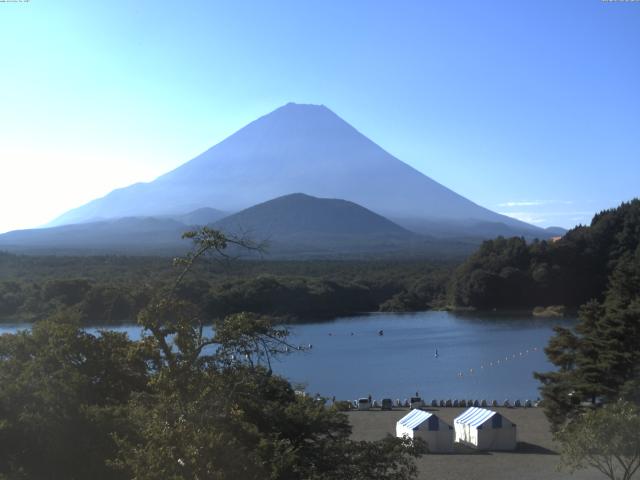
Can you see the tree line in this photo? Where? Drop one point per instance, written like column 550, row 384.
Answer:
column 502, row 274
column 592, row 398
column 105, row 292
column 511, row 273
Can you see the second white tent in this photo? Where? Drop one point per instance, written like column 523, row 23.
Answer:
column 485, row 430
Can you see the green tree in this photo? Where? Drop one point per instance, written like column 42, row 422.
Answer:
column 184, row 402
column 572, row 271
column 601, row 357
column 215, row 410
column 63, row 394
column 606, row 439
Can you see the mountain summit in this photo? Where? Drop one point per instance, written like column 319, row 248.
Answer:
column 296, row 148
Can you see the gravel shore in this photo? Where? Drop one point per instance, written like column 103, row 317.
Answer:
column 536, row 458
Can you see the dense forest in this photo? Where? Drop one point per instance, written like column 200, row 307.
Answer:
column 113, row 289
column 511, row 273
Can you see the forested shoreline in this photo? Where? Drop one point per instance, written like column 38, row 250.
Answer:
column 507, row 273
column 503, row 274
column 112, row 290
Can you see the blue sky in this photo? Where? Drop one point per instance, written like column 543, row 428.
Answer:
column 530, row 108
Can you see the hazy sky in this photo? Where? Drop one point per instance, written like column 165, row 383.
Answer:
column 530, row 108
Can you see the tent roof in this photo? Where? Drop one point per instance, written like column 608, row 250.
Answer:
column 475, row 416
column 414, row 419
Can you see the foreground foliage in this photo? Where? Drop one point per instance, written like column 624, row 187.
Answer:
column 593, row 398
column 598, row 361
column 606, row 439
column 177, row 404
column 63, row 393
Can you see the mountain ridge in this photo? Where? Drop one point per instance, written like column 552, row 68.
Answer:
column 295, row 148
column 299, row 213
column 293, row 226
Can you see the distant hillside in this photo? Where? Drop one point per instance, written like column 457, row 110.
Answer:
column 130, row 235
column 294, row 226
column 300, row 224
column 133, row 235
column 570, row 271
column 301, row 215
column 201, row 216
column 556, row 231
column 471, row 229
column 297, row 148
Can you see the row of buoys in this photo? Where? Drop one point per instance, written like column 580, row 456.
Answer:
column 379, row 332
column 499, row 361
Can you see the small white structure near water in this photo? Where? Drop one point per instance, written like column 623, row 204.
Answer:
column 485, row 430
column 425, row 425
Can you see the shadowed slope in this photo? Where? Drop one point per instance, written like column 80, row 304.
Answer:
column 302, row 215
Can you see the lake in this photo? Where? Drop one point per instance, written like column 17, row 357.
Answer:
column 479, row 356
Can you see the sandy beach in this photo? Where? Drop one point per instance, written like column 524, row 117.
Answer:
column 536, row 458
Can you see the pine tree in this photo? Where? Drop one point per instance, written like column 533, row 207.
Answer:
column 601, row 358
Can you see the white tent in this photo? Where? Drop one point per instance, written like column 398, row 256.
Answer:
column 485, row 430
column 425, row 425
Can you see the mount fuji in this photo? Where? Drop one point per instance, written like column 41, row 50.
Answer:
column 308, row 149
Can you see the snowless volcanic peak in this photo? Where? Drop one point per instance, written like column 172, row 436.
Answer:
column 295, row 148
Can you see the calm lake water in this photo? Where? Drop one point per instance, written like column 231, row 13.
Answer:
column 479, row 356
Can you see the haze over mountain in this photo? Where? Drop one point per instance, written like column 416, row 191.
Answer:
column 304, row 215
column 201, row 216
column 302, row 225
column 556, row 231
column 136, row 235
column 296, row 148
column 293, row 226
